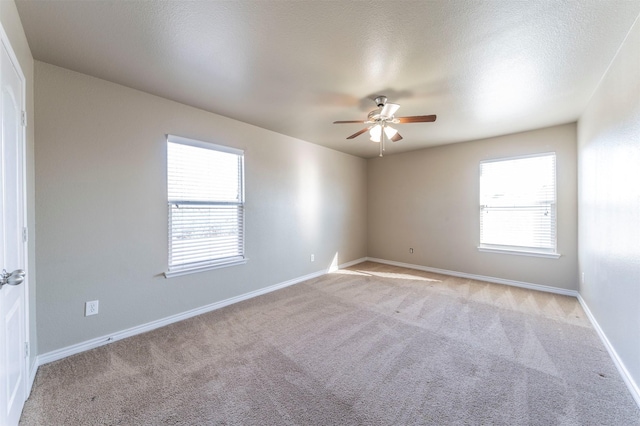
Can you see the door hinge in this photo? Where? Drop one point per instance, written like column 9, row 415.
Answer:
column 25, row 235
column 24, row 118
column 26, row 349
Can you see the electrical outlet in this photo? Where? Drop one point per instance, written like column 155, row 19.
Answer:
column 313, row 257
column 411, row 250
column 582, row 278
column 91, row 308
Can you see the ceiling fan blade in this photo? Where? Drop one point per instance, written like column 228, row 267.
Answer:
column 396, row 137
column 389, row 109
column 349, row 121
column 417, row 119
column 355, row 135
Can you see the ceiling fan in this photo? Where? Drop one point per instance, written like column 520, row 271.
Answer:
column 379, row 120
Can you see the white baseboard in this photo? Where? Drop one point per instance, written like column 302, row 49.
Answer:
column 522, row 284
column 119, row 335
column 353, row 262
column 626, row 376
column 32, row 375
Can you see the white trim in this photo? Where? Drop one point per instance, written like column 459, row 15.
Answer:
column 626, row 376
column 519, row 252
column 14, row 59
column 32, row 375
column 202, row 144
column 6, row 42
column 518, row 157
column 348, row 264
column 119, row 335
column 180, row 272
column 531, row 286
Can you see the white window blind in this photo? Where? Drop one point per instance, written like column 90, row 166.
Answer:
column 206, row 204
column 518, row 204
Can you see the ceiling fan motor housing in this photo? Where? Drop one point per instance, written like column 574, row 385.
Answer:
column 377, row 116
column 381, row 100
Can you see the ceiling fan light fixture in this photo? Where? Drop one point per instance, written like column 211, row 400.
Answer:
column 375, row 133
column 390, row 131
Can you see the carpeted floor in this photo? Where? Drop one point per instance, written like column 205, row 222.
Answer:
column 370, row 345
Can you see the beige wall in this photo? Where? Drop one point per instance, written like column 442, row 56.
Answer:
column 429, row 200
column 102, row 217
column 13, row 27
column 609, row 202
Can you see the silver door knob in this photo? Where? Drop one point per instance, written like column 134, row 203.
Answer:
column 14, row 278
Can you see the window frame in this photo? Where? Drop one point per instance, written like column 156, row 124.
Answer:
column 515, row 249
column 182, row 269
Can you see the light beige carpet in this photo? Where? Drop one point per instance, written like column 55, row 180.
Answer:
column 371, row 345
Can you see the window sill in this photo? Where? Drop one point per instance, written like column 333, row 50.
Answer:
column 519, row 252
column 181, row 272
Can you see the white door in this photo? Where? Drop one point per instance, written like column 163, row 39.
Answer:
column 13, row 365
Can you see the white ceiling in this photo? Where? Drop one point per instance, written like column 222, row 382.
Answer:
column 486, row 68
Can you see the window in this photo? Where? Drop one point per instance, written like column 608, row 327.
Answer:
column 205, row 193
column 518, row 205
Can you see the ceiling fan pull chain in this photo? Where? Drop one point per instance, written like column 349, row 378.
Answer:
column 384, row 133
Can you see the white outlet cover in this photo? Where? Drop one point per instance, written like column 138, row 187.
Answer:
column 91, row 308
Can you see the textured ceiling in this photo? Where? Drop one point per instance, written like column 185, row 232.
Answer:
column 486, row 68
